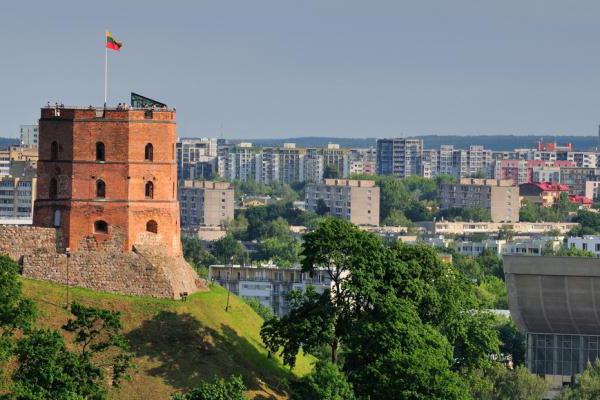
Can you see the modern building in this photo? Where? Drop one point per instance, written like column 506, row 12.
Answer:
column 554, row 302
column 576, row 178
column 17, row 194
column 400, row 157
column 469, row 228
column 196, row 158
column 205, row 203
column 497, row 196
column 267, row 284
column 29, row 136
column 592, row 190
column 354, row 200
column 587, row 242
column 108, row 177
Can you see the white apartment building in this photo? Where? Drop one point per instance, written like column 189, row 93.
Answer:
column 17, row 195
column 29, row 135
column 588, row 242
column 267, row 284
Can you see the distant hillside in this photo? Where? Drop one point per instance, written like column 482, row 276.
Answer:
column 178, row 344
column 494, row 142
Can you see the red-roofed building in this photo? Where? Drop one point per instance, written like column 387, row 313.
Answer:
column 542, row 193
column 581, row 200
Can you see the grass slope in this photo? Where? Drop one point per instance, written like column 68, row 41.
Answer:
column 178, row 344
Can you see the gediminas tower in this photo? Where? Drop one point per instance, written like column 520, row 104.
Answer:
column 108, row 175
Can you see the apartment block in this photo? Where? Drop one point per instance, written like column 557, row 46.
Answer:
column 196, row 158
column 29, row 135
column 576, row 178
column 354, row 200
column 17, row 195
column 587, row 242
column 205, row 203
column 497, row 196
column 268, row 284
column 399, row 157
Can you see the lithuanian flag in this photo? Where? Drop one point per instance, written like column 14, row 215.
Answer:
column 111, row 42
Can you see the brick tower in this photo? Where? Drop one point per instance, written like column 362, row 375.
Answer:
column 107, row 178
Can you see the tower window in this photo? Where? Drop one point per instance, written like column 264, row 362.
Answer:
column 100, row 227
column 149, row 152
column 100, row 188
column 54, row 151
column 152, row 226
column 100, row 156
column 149, row 190
column 53, row 188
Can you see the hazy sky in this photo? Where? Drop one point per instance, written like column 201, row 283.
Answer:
column 313, row 68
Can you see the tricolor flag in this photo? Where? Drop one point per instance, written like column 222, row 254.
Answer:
column 111, row 42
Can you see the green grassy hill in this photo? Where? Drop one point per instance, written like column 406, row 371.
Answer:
column 178, row 344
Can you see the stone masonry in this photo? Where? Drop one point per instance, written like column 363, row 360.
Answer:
column 148, row 270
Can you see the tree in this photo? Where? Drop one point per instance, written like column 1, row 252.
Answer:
column 228, row 248
column 322, row 208
column 285, row 252
column 47, row 369
column 573, row 252
column 512, row 342
column 325, row 382
column 396, row 218
column 331, row 172
column 16, row 312
column 219, row 389
column 194, row 253
column 587, row 384
column 505, row 384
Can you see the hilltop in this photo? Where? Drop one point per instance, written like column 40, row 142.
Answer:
column 178, row 344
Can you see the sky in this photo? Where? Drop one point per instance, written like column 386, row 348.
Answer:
column 341, row 68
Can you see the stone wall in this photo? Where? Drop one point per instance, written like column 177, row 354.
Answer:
column 149, row 270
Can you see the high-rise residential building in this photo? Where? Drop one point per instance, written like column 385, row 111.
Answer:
column 267, row 166
column 576, row 177
column 400, row 157
column 338, row 158
column 108, row 177
column 291, row 166
column 363, row 161
column 354, row 200
column 239, row 162
column 196, row 158
column 313, row 166
column 205, row 203
column 592, row 190
column 29, row 136
column 17, row 194
column 497, row 196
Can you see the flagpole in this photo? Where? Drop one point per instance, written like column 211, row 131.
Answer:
column 105, row 73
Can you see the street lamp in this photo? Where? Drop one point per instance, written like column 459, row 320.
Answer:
column 228, row 280
column 68, row 252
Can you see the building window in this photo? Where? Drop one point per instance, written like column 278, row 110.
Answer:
column 53, row 189
column 100, row 188
column 149, row 152
column 149, row 190
column 57, row 218
column 100, row 151
column 100, row 227
column 152, row 226
column 54, row 151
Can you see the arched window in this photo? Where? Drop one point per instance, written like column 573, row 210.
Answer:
column 53, row 188
column 100, row 188
column 149, row 190
column 100, row 227
column 100, row 151
column 152, row 226
column 149, row 152
column 54, row 151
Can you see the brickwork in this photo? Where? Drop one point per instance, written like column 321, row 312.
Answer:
column 147, row 270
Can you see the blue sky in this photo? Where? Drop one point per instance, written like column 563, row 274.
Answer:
column 342, row 68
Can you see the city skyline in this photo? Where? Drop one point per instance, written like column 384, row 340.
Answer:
column 339, row 69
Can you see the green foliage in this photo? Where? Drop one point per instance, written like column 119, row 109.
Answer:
column 325, row 382
column 48, row 370
column 308, row 325
column 322, row 208
column 587, row 384
column 284, row 252
column 16, row 312
column 396, row 218
column 475, row 214
column 194, row 253
column 265, row 312
column 331, row 172
column 219, row 389
column 559, row 212
column 512, row 342
column 228, row 248
column 500, row 383
column 492, row 293
column 565, row 251
column 275, row 189
column 589, row 224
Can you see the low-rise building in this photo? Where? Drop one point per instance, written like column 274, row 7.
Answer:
column 469, row 228
column 587, row 242
column 542, row 193
column 498, row 196
column 267, row 284
column 354, row 200
column 205, row 203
